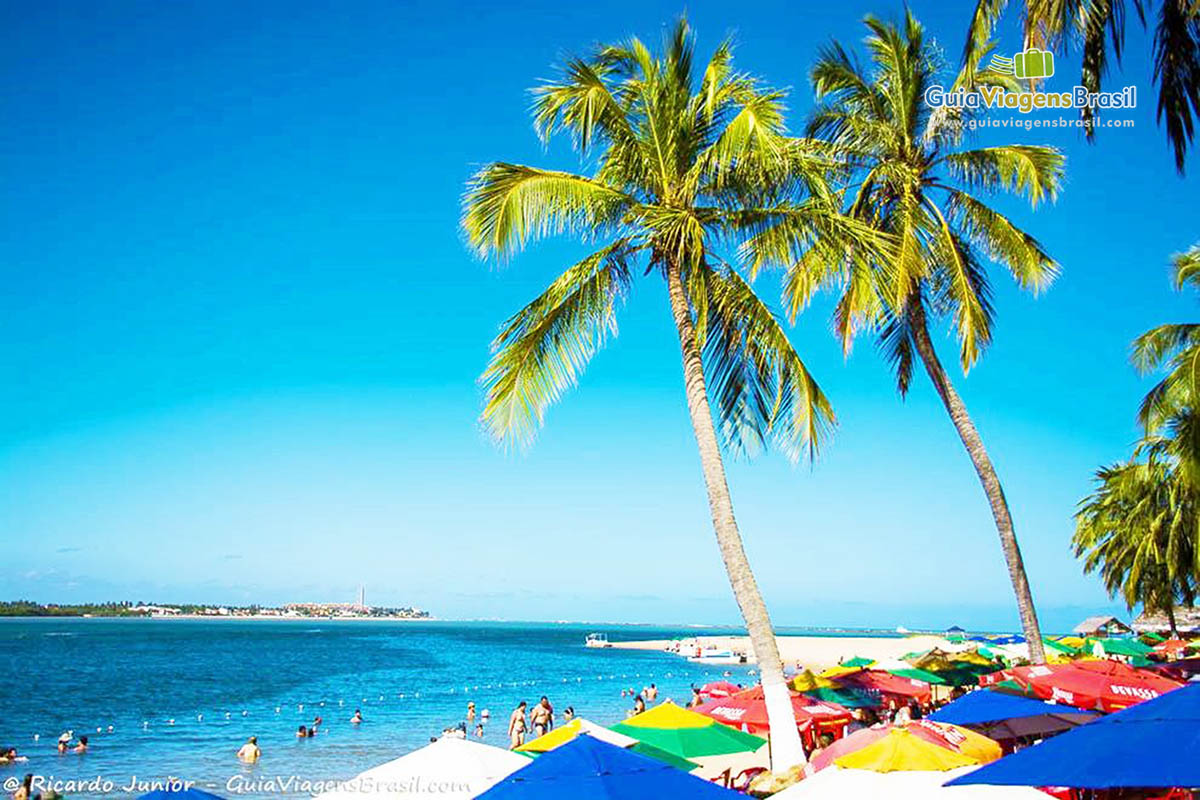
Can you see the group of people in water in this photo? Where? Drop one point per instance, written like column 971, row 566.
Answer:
column 250, row 753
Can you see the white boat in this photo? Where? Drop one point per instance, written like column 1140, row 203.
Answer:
column 713, row 655
column 597, row 640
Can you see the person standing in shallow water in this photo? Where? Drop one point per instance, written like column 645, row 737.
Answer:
column 516, row 727
column 542, row 717
column 249, row 753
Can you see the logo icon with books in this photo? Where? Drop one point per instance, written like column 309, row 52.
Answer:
column 1032, row 64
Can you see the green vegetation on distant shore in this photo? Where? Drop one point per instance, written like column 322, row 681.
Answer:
column 28, row 608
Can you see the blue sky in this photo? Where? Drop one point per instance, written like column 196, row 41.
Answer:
column 242, row 334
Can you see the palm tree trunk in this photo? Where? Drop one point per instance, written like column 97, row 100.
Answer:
column 786, row 748
column 1171, row 619
column 987, row 476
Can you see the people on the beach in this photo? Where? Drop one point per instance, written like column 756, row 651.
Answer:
column 652, row 693
column 516, row 726
column 82, row 745
column 249, row 752
column 479, row 731
column 639, row 705
column 542, row 717
column 568, row 713
column 471, row 711
column 696, row 700
column 357, row 718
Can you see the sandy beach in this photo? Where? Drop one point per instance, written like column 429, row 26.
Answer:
column 814, row 652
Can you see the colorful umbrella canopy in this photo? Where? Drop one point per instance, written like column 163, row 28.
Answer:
column 846, row 696
column 858, row 661
column 1118, row 647
column 686, row 733
column 962, row 742
column 1099, row 685
column 886, row 683
column 1171, row 646
column 565, row 733
column 1005, row 716
column 901, row 750
column 588, row 769
column 1150, row 745
column 861, row 784
column 462, row 767
column 748, row 711
column 720, row 689
column 806, row 680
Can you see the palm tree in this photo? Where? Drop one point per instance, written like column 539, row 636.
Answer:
column 1176, row 346
column 685, row 167
column 914, row 181
column 1139, row 530
column 1096, row 28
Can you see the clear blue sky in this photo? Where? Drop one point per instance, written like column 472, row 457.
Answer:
column 241, row 336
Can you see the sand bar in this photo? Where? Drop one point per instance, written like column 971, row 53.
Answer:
column 814, row 652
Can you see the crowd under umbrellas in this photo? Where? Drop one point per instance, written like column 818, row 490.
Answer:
column 966, row 720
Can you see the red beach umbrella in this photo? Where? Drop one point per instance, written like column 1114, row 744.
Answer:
column 1093, row 685
column 887, row 683
column 747, row 710
column 720, row 689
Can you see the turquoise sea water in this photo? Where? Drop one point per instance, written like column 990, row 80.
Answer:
column 224, row 680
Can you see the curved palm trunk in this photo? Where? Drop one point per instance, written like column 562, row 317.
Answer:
column 987, row 476
column 786, row 748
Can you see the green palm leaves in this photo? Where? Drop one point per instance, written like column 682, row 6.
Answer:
column 1140, row 529
column 689, row 165
column 915, row 182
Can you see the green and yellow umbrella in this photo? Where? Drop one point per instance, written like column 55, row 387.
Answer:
column 686, row 734
column 561, row 735
column 807, row 681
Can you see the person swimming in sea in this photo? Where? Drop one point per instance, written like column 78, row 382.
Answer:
column 82, row 746
column 470, row 711
column 357, row 718
column 303, row 733
column 249, row 752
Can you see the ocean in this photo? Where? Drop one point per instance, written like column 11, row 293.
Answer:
column 181, row 696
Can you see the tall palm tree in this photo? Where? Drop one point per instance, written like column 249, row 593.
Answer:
column 1139, row 530
column 685, row 167
column 1098, row 27
column 1177, row 347
column 913, row 180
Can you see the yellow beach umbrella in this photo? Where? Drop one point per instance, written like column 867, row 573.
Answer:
column 969, row 743
column 806, row 681
column 971, row 657
column 901, row 750
column 687, row 734
column 565, row 733
column 838, row 671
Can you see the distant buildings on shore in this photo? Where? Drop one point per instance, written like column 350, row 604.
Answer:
column 359, row 609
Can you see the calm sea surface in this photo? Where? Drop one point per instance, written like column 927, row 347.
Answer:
column 224, row 680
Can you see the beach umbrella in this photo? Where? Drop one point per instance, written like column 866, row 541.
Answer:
column 841, row 784
column 806, row 680
column 901, row 750
column 846, row 696
column 747, row 710
column 178, row 790
column 886, row 683
column 1098, row 685
column 1171, row 646
column 565, row 733
column 838, row 671
column 974, row 657
column 1149, row 745
column 858, row 661
column 918, row 675
column 1005, row 716
column 1119, row 647
column 687, row 734
column 720, row 689
column 961, row 742
column 461, row 767
column 588, row 769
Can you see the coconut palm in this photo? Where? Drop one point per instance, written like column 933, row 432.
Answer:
column 686, row 164
column 1097, row 30
column 1175, row 346
column 913, row 179
column 1139, row 531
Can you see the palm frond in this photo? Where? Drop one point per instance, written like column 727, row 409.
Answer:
column 1031, row 170
column 507, row 204
column 541, row 350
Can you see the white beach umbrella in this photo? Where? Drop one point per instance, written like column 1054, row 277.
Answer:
column 838, row 784
column 451, row 768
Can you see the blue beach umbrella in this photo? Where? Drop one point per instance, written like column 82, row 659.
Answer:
column 1150, row 745
column 589, row 769
column 177, row 790
column 1007, row 716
